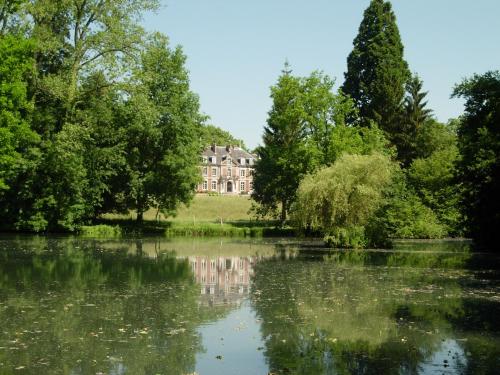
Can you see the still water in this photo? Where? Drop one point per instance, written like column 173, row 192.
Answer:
column 158, row 306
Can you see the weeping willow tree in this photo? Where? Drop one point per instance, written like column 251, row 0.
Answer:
column 338, row 201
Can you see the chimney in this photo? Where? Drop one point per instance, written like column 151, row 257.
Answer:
column 228, row 148
column 213, row 147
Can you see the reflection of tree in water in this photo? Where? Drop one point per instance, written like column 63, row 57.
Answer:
column 372, row 313
column 71, row 308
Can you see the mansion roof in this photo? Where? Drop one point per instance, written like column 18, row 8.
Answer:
column 219, row 154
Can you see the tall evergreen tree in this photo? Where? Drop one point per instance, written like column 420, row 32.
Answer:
column 284, row 158
column 415, row 115
column 376, row 70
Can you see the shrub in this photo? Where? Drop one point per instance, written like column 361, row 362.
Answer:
column 403, row 215
column 101, row 230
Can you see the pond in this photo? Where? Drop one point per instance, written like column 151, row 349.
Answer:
column 159, row 306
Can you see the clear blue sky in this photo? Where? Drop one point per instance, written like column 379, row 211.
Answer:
column 236, row 48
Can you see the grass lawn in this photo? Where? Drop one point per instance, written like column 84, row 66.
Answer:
column 206, row 216
column 203, row 208
column 206, row 208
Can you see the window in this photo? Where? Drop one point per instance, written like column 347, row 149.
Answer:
column 247, row 161
column 214, row 185
column 242, row 173
column 212, row 159
column 212, row 278
column 250, row 172
column 250, row 185
column 229, row 172
column 205, row 171
column 205, row 185
column 204, row 159
column 242, row 186
column 214, row 172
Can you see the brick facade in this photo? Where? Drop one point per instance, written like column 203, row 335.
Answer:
column 226, row 170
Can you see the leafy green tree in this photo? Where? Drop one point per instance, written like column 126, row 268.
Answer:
column 479, row 166
column 18, row 143
column 306, row 129
column 99, row 111
column 357, row 140
column 211, row 134
column 433, row 175
column 8, row 15
column 83, row 54
column 343, row 197
column 323, row 112
column 402, row 214
column 434, row 136
column 75, row 37
column 163, row 121
column 376, row 70
column 285, row 157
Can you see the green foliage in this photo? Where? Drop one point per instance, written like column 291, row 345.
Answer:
column 306, row 129
column 235, row 229
column 403, row 215
column 95, row 115
column 353, row 237
column 358, row 140
column 414, row 117
column 376, row 70
column 479, row 166
column 16, row 137
column 340, row 200
column 86, row 35
column 211, row 134
column 284, row 158
column 163, row 118
column 205, row 230
column 100, row 231
column 433, row 178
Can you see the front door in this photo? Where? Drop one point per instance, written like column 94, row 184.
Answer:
column 229, row 187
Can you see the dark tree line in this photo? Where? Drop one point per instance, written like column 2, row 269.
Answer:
column 479, row 165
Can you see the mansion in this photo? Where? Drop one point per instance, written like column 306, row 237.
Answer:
column 226, row 170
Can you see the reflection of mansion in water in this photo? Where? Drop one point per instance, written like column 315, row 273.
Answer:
column 222, row 279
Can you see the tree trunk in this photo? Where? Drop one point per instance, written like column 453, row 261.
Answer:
column 140, row 217
column 283, row 212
